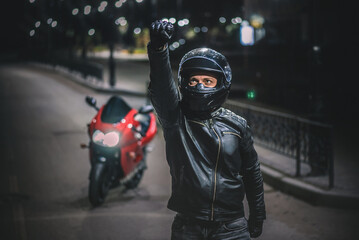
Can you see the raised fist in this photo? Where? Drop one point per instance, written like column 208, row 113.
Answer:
column 160, row 34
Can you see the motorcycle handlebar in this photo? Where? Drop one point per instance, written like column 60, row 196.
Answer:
column 135, row 130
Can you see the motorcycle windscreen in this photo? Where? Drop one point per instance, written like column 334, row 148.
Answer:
column 115, row 110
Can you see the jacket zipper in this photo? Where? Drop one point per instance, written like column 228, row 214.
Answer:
column 210, row 126
column 215, row 169
column 235, row 134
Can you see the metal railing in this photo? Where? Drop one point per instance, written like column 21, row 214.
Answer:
column 85, row 68
column 306, row 141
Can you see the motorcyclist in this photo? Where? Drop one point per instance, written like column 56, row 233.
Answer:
column 209, row 149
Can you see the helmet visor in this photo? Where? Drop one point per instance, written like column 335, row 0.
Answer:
column 205, row 60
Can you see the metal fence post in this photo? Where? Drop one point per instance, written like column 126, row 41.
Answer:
column 331, row 162
column 297, row 174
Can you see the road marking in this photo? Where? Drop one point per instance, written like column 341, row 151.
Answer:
column 18, row 211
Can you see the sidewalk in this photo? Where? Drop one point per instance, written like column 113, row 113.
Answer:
column 278, row 170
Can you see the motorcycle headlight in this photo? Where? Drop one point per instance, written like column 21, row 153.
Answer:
column 109, row 139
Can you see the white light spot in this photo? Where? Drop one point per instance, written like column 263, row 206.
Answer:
column 54, row 24
column 175, row 44
column 222, row 20
column 137, row 30
column 247, row 35
column 87, row 9
column 102, row 6
column 32, row 33
column 238, row 19
column 172, row 20
column 118, row 4
column 121, row 21
column 91, row 32
column 204, row 29
column 316, row 48
column 75, row 11
column 37, row 24
column 49, row 21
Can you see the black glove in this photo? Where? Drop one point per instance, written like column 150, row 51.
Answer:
column 160, row 34
column 255, row 227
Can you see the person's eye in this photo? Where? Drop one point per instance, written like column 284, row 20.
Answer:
column 192, row 82
column 208, row 82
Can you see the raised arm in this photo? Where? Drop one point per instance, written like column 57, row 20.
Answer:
column 162, row 89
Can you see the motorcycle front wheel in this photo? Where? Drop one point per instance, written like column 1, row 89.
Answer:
column 99, row 184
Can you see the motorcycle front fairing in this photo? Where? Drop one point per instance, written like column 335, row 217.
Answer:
column 127, row 141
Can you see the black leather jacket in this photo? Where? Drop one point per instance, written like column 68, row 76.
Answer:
column 212, row 162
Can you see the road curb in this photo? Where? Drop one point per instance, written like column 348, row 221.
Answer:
column 307, row 192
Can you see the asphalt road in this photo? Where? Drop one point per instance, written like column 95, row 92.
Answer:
column 44, row 174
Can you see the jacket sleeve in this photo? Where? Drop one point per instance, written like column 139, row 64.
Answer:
column 162, row 88
column 252, row 177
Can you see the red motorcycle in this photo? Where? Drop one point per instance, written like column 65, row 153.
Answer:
column 119, row 136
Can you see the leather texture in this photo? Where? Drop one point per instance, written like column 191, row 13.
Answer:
column 212, row 162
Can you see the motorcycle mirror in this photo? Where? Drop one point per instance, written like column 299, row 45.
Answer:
column 146, row 109
column 92, row 102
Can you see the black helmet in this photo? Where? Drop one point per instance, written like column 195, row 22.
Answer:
column 198, row 99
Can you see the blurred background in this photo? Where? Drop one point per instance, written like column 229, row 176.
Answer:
column 294, row 66
column 296, row 55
